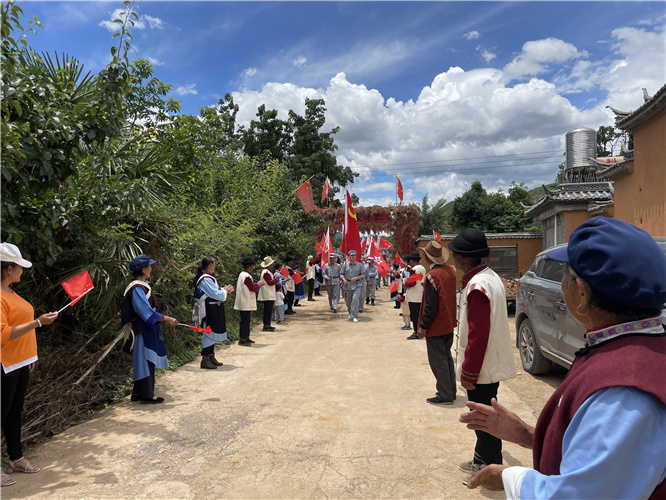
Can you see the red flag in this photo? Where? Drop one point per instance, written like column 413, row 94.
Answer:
column 304, row 193
column 398, row 260
column 352, row 236
column 398, row 187
column 383, row 267
column 390, row 261
column 297, row 278
column 437, row 236
column 284, row 271
column 206, row 330
column 325, row 190
column 384, row 243
column 414, row 278
column 394, row 287
column 328, row 245
column 78, row 286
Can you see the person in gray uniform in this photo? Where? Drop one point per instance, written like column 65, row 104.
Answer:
column 331, row 273
column 372, row 274
column 364, row 287
column 351, row 274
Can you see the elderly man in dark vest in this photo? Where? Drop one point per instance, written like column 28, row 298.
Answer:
column 437, row 320
column 602, row 432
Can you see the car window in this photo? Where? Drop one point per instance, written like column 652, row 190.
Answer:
column 535, row 265
column 551, row 270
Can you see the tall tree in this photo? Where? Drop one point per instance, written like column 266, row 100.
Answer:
column 433, row 217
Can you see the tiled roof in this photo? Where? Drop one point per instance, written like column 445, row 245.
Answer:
column 489, row 236
column 651, row 108
column 572, row 194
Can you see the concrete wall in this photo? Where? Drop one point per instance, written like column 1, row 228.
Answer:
column 640, row 197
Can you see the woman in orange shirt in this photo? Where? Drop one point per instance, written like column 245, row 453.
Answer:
column 18, row 353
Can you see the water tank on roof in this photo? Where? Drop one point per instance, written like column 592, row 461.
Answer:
column 581, row 146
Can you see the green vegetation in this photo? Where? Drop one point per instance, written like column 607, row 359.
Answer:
column 97, row 168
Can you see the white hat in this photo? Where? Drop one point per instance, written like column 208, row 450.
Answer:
column 371, row 259
column 11, row 253
column 268, row 260
column 332, row 255
column 351, row 252
column 310, row 257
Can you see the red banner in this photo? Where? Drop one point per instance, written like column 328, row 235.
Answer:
column 304, row 193
column 78, row 285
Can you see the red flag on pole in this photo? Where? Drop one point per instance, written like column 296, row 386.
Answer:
column 304, row 193
column 394, row 287
column 384, row 243
column 437, row 236
column 206, row 330
column 414, row 278
column 398, row 260
column 352, row 236
column 325, row 190
column 328, row 246
column 78, row 285
column 398, row 187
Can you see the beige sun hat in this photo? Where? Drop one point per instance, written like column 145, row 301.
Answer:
column 268, row 260
column 436, row 252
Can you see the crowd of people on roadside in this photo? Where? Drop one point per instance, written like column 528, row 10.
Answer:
column 602, row 434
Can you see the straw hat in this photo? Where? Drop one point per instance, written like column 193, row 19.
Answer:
column 435, row 252
column 268, row 260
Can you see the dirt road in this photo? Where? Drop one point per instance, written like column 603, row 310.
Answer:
column 321, row 408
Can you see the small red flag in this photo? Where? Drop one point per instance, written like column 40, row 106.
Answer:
column 304, row 193
column 325, row 190
column 284, row 271
column 297, row 278
column 384, row 243
column 414, row 278
column 398, row 187
column 77, row 286
column 437, row 236
column 206, row 330
column 394, row 287
column 398, row 260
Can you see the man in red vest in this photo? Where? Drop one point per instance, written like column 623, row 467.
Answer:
column 602, row 432
column 438, row 319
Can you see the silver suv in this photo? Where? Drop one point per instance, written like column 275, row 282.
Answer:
column 545, row 331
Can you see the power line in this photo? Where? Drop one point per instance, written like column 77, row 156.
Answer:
column 427, row 170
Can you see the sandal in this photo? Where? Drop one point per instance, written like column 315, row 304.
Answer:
column 27, row 467
column 7, row 480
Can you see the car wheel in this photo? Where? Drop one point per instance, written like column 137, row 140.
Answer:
column 530, row 354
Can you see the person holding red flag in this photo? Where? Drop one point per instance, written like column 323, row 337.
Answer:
column 414, row 290
column 140, row 319
column 246, row 299
column 212, row 296
column 19, row 355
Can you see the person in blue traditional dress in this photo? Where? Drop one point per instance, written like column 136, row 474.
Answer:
column 299, row 289
column 138, row 315
column 209, row 293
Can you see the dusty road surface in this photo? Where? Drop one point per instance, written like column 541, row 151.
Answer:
column 321, row 408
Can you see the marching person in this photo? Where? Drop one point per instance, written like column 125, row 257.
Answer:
column 266, row 293
column 485, row 348
column 438, row 319
column 319, row 278
column 404, row 305
column 414, row 291
column 290, row 286
column 602, row 432
column 140, row 319
column 363, row 286
column 351, row 274
column 207, row 290
column 331, row 274
column 311, row 274
column 372, row 274
column 19, row 355
column 246, row 299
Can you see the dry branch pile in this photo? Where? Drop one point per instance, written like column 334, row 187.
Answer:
column 509, row 287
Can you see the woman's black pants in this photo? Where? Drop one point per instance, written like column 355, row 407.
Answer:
column 14, row 388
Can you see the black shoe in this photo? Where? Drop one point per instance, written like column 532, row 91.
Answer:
column 367, row 301
column 311, row 300
column 289, row 312
column 246, row 344
column 152, row 401
column 413, row 336
column 268, row 329
column 298, row 305
column 135, row 397
column 437, row 401
column 372, row 302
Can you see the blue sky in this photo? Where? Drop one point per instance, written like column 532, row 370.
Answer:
column 439, row 93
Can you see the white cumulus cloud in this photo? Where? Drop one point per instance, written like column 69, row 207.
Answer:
column 471, row 35
column 537, row 56
column 250, row 71
column 190, row 88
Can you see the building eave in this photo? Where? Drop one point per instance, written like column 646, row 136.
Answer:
column 652, row 108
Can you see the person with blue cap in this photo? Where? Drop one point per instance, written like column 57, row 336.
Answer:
column 351, row 274
column 142, row 323
column 602, row 434
column 331, row 274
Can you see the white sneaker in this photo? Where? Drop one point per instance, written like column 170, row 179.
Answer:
column 349, row 316
column 355, row 320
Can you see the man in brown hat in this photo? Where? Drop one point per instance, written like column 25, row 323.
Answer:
column 485, row 350
column 438, row 319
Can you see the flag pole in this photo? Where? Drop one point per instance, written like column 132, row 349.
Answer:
column 73, row 301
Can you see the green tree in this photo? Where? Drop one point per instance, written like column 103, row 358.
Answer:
column 608, row 141
column 433, row 217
